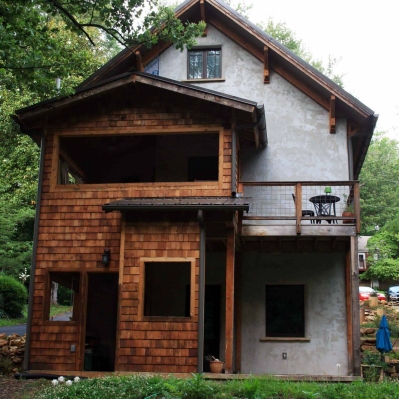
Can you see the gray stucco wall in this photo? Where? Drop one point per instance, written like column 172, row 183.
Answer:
column 325, row 314
column 300, row 145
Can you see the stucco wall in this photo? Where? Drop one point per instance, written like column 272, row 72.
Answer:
column 325, row 315
column 300, row 145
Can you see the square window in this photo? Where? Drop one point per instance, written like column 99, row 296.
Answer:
column 204, row 63
column 167, row 289
column 285, row 311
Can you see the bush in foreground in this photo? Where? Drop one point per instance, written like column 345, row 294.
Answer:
column 156, row 387
column 13, row 297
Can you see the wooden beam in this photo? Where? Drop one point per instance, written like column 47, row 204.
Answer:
column 348, row 304
column 356, row 205
column 298, row 207
column 238, row 311
column 318, row 98
column 355, row 305
column 203, row 16
column 139, row 63
column 229, row 327
column 155, row 51
column 332, row 115
column 233, row 35
column 266, row 73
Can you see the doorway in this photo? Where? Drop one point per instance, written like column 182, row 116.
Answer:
column 101, row 319
column 212, row 322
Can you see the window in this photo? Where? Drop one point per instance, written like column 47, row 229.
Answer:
column 285, row 311
column 152, row 158
column 204, row 63
column 63, row 297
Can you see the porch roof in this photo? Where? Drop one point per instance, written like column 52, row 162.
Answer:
column 179, row 203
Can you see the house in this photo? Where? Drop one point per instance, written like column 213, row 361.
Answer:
column 190, row 202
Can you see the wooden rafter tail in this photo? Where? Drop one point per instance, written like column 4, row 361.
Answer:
column 203, row 16
column 139, row 62
column 266, row 72
column 332, row 115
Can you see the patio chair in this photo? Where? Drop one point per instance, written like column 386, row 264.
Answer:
column 306, row 212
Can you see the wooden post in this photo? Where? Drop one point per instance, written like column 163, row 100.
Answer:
column 298, row 207
column 348, row 305
column 355, row 305
column 229, row 333
column 238, row 311
column 356, row 206
column 266, row 72
column 332, row 115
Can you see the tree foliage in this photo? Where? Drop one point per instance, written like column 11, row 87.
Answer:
column 379, row 184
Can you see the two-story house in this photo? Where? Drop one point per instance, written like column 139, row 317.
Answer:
column 191, row 202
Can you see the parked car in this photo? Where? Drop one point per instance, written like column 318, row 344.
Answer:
column 364, row 294
column 393, row 294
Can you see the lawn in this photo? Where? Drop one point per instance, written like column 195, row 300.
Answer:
column 196, row 387
column 54, row 311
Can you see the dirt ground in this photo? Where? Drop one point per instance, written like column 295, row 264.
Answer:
column 10, row 388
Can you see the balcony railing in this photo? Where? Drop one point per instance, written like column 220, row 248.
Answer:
column 301, row 204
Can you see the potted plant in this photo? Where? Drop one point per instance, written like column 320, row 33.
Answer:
column 349, row 211
column 215, row 365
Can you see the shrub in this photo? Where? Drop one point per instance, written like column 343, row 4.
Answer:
column 14, row 295
column 6, row 365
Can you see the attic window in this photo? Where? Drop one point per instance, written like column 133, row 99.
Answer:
column 205, row 63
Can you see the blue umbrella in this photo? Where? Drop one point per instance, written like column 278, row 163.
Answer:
column 383, row 344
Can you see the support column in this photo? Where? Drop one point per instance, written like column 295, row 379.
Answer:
column 238, row 311
column 229, row 329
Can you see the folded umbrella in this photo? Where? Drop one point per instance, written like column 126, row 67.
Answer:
column 383, row 344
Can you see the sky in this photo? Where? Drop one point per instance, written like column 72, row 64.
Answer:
column 364, row 34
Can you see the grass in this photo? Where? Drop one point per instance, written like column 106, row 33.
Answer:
column 156, row 387
column 54, row 311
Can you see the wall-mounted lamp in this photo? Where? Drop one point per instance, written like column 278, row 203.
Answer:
column 106, row 257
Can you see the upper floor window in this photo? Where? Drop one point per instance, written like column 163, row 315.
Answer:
column 205, row 63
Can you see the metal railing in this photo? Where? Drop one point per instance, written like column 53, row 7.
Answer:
column 300, row 203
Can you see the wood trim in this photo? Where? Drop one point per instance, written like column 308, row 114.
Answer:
column 203, row 17
column 266, row 72
column 284, row 339
column 85, row 287
column 120, row 288
column 141, row 294
column 304, row 183
column 356, row 205
column 348, row 305
column 238, row 311
column 332, row 115
column 154, row 52
column 298, row 207
column 229, row 326
column 139, row 61
column 55, row 161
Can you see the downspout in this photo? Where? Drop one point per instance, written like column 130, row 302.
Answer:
column 261, row 125
column 34, row 250
column 201, row 294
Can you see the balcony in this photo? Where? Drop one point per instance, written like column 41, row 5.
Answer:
column 301, row 208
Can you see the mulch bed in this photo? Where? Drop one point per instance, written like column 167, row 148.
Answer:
column 10, row 388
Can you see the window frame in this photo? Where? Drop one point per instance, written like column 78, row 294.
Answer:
column 303, row 338
column 143, row 261
column 204, row 50
column 56, row 155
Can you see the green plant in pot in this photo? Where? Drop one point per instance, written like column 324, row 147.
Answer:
column 349, row 211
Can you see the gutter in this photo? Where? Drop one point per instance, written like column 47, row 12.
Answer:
column 261, row 125
column 34, row 250
column 201, row 294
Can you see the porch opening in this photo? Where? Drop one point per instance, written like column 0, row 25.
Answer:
column 101, row 318
column 138, row 158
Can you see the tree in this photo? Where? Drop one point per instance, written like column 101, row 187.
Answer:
column 379, row 182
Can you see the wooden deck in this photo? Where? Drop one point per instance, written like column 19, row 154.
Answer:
column 207, row 376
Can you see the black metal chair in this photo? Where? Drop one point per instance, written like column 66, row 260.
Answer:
column 306, row 212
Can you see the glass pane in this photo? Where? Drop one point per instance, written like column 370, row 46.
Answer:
column 195, row 65
column 213, row 64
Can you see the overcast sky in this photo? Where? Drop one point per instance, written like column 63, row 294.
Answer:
column 363, row 33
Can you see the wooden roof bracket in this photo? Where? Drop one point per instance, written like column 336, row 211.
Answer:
column 139, row 63
column 266, row 72
column 332, row 118
column 352, row 128
column 203, row 17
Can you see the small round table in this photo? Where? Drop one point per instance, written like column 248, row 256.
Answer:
column 323, row 205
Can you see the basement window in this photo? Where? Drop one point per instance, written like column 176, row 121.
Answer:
column 139, row 158
column 167, row 291
column 285, row 311
column 205, row 63
column 63, row 297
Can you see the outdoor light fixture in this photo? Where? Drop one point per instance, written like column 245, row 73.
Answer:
column 106, row 257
